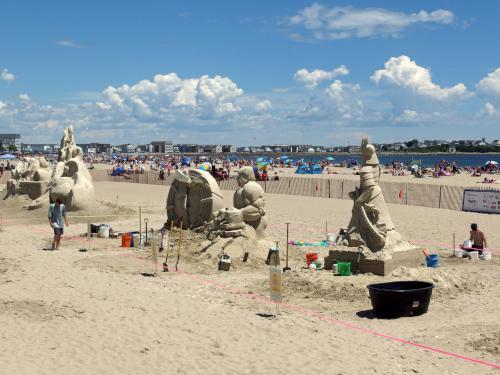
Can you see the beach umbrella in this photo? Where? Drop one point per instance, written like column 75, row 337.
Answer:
column 7, row 157
column 493, row 162
column 330, row 158
column 284, row 157
column 205, row 167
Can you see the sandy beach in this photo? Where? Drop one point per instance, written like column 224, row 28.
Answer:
column 93, row 312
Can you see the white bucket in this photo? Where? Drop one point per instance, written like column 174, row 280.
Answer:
column 486, row 255
column 335, row 268
column 136, row 239
column 468, row 243
column 331, row 237
column 474, row 255
column 459, row 253
column 103, row 231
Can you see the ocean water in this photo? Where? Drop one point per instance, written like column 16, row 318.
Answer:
column 427, row 160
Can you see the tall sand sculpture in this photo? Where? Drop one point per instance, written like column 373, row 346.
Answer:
column 371, row 241
column 71, row 181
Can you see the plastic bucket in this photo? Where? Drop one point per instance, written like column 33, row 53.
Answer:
column 331, row 237
column 103, row 231
column 344, row 268
column 135, row 240
column 311, row 257
column 459, row 253
column 432, row 260
column 486, row 255
column 126, row 240
column 474, row 255
column 468, row 243
column 400, row 298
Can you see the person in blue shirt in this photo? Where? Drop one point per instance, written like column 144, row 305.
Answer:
column 57, row 220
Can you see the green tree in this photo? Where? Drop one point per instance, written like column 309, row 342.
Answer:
column 412, row 143
column 12, row 148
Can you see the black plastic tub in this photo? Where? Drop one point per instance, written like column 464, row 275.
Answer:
column 400, row 298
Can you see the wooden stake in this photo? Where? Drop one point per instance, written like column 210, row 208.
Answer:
column 275, row 283
column 179, row 247
column 89, row 236
column 454, row 243
column 140, row 224
column 154, row 253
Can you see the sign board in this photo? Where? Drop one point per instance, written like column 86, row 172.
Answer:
column 276, row 288
column 481, row 201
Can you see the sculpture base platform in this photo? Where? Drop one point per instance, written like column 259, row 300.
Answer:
column 405, row 258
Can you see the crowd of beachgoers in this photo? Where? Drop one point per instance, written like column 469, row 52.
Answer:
column 265, row 168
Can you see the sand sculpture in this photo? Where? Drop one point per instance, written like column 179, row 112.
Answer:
column 370, row 224
column 70, row 180
column 30, row 177
column 194, row 199
column 371, row 241
column 249, row 199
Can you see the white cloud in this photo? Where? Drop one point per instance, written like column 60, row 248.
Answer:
column 489, row 108
column 312, row 79
column 324, row 23
column 262, row 106
column 491, row 83
column 408, row 115
column 49, row 125
column 24, row 97
column 7, row 76
column 168, row 95
column 404, row 73
column 68, row 44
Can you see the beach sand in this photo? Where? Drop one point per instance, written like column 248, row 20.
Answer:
column 77, row 312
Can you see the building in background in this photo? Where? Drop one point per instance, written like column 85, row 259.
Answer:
column 8, row 141
column 162, row 147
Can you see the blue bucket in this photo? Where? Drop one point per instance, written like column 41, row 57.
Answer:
column 432, row 260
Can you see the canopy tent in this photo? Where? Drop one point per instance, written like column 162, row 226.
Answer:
column 7, row 157
column 118, row 171
column 492, row 162
column 306, row 169
column 186, row 161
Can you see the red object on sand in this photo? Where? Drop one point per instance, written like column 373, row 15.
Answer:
column 400, row 194
column 311, row 257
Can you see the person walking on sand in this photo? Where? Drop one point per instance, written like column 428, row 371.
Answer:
column 57, row 220
column 478, row 238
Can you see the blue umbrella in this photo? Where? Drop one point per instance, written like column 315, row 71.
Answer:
column 284, row 157
column 7, row 157
column 330, row 158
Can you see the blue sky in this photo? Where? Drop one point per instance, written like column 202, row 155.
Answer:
column 250, row 72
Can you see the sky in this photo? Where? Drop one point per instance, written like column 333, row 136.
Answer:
column 250, row 72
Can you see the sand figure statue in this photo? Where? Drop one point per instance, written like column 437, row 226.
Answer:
column 30, row 177
column 249, row 199
column 194, row 199
column 370, row 224
column 71, row 181
column 32, row 169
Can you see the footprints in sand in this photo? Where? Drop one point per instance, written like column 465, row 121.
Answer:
column 38, row 310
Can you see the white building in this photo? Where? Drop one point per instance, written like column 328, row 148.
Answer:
column 130, row 149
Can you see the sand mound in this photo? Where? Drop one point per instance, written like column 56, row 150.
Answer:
column 489, row 343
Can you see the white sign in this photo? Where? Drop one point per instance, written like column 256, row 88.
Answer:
column 482, row 201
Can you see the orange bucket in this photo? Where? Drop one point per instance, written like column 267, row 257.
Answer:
column 311, row 257
column 126, row 240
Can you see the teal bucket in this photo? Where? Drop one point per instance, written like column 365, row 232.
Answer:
column 432, row 260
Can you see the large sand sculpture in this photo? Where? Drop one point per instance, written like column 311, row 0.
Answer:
column 371, row 240
column 195, row 200
column 71, row 181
